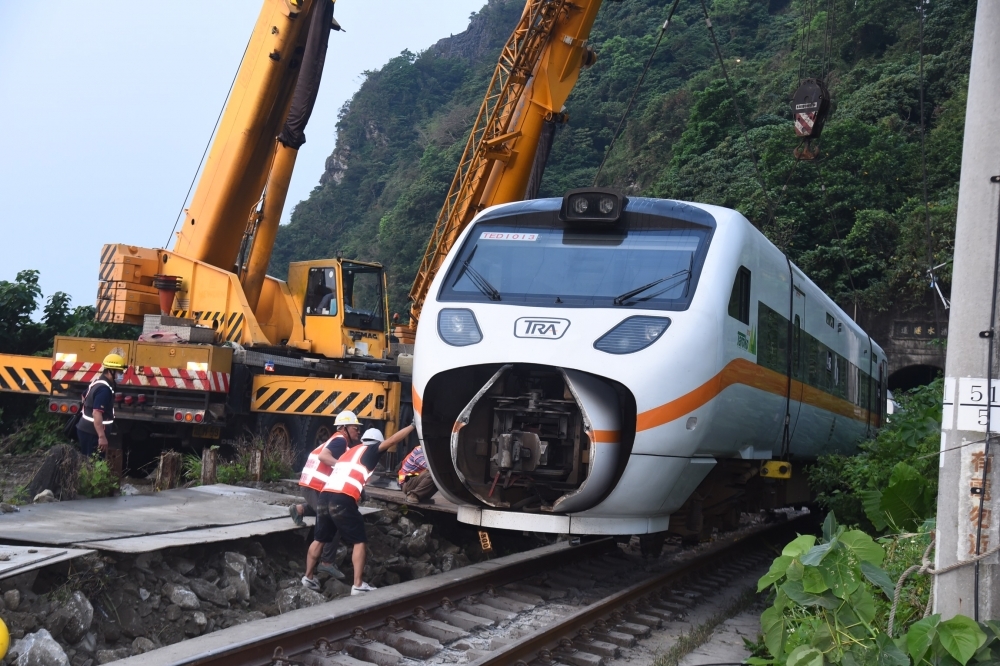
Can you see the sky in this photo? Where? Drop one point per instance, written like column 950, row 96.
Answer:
column 106, row 110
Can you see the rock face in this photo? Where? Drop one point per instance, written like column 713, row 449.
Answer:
column 40, row 649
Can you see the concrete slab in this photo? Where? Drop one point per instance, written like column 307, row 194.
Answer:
column 16, row 560
column 151, row 542
column 390, row 494
column 170, row 511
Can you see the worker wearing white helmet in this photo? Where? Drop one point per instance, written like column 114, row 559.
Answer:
column 347, row 480
column 324, row 535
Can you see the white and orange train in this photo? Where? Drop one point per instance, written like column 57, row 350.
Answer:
column 599, row 364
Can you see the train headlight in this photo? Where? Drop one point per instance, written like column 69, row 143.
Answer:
column 458, row 327
column 592, row 205
column 632, row 334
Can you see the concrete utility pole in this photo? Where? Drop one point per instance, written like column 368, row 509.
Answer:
column 967, row 522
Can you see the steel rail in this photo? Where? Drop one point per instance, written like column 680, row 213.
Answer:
column 548, row 638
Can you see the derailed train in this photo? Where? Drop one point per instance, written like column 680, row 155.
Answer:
column 599, row 364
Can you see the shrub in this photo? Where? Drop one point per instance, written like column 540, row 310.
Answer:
column 96, row 478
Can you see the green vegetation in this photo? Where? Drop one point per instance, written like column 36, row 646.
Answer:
column 23, row 419
column 900, row 463
column 400, row 136
column 234, row 468
column 96, row 478
column 831, row 606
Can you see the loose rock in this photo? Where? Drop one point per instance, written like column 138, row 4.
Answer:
column 40, row 649
column 184, row 598
column 12, row 599
column 142, row 645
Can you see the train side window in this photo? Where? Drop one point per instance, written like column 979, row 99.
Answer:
column 797, row 346
column 739, row 300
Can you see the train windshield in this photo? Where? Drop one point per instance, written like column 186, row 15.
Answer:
column 652, row 265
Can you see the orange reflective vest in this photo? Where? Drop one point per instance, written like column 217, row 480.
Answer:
column 349, row 476
column 316, row 473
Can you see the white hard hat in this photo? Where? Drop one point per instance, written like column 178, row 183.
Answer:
column 372, row 436
column 346, row 417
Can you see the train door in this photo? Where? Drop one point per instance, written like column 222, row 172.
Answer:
column 800, row 368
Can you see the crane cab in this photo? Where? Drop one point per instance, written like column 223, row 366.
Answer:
column 343, row 306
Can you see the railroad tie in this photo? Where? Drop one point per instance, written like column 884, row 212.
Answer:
column 569, row 653
column 362, row 646
column 585, row 641
column 406, row 642
column 491, row 598
column 483, row 610
column 634, row 628
column 602, row 632
column 523, row 597
column 459, row 618
column 423, row 623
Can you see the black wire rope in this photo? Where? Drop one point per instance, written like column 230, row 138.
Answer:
column 194, row 178
column 739, row 114
column 923, row 167
column 990, row 335
column 635, row 91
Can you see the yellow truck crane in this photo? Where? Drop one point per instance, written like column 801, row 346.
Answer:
column 228, row 350
column 239, row 351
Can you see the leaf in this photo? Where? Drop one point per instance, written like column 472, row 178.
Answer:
column 907, row 503
column 829, row 527
column 757, row 661
column 805, row 655
column 920, row 636
column 879, row 579
column 863, row 547
column 813, row 581
column 795, row 570
column 817, row 553
column 772, row 625
column 961, row 637
column 871, row 501
column 840, row 575
column 775, row 573
column 903, row 472
column 889, row 654
column 799, row 545
column 863, row 604
column 795, row 592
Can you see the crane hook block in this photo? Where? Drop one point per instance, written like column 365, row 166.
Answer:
column 810, row 106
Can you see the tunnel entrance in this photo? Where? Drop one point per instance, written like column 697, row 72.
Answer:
column 912, row 376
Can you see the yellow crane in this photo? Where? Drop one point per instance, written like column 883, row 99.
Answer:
column 241, row 350
column 537, row 69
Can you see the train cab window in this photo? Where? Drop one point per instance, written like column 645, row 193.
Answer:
column 321, row 292
column 739, row 300
column 829, row 320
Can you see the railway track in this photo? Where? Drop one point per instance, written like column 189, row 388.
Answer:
column 574, row 605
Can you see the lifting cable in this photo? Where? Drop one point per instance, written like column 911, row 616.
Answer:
column 739, row 114
column 923, row 166
column 635, row 91
column 990, row 335
column 208, row 145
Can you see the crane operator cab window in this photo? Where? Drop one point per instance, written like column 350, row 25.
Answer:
column 321, row 295
column 364, row 299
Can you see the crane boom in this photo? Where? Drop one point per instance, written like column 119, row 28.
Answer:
column 537, row 69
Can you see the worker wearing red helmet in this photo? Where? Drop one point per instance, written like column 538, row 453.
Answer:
column 348, row 479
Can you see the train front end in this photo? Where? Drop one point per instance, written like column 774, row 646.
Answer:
column 546, row 322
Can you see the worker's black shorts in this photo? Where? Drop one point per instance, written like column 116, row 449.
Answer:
column 312, row 499
column 325, row 529
column 347, row 518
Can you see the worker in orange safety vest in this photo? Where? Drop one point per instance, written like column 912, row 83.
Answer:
column 316, row 472
column 348, row 479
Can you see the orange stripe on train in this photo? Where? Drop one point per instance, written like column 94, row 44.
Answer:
column 741, row 371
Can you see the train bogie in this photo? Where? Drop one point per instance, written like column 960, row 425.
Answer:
column 630, row 375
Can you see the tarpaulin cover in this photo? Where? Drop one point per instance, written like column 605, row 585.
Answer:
column 307, row 86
